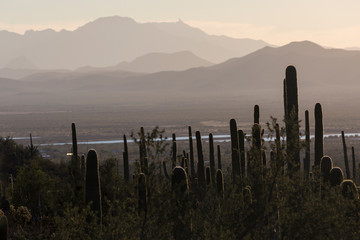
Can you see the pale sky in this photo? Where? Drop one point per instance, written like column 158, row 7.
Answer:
column 332, row 23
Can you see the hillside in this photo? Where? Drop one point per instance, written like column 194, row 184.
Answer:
column 253, row 79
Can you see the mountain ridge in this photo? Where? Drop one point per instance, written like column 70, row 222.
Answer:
column 109, row 40
column 324, row 75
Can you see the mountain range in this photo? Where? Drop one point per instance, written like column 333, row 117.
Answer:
column 329, row 76
column 111, row 40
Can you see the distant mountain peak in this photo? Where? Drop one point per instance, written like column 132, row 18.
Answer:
column 108, row 22
column 45, row 31
column 115, row 18
column 303, row 44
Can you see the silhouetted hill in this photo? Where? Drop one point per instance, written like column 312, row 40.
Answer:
column 110, row 40
column 157, row 62
column 329, row 76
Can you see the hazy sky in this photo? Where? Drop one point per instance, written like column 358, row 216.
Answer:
column 332, row 23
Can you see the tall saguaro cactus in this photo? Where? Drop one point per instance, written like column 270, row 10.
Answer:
column 292, row 118
column 174, row 151
column 212, row 156
column 74, row 140
column 353, row 164
column 307, row 142
column 75, row 167
column 126, row 160
column 219, row 157
column 143, row 153
column 256, row 114
column 92, row 183
column 219, row 183
column 319, row 134
column 241, row 136
column 234, row 150
column 256, row 163
column 192, row 160
column 201, row 167
column 346, row 159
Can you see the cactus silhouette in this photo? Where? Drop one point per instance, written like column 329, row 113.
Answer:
column 264, row 159
column 353, row 164
column 212, row 156
column 143, row 153
column 346, row 159
column 234, row 150
column 307, row 146
column 256, row 114
column 208, row 176
column 179, row 181
column 292, row 119
column 173, row 151
column 257, row 162
column 336, row 176
column 219, row 182
column 192, row 160
column 75, row 168
column 201, row 167
column 180, row 188
column 74, row 140
column 319, row 134
column 219, row 157
column 349, row 190
column 326, row 165
column 92, row 183
column 241, row 136
column 126, row 161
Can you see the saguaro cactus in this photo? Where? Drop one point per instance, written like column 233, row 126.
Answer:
column 142, row 150
column 353, row 164
column 208, row 176
column 336, row 176
column 92, row 183
column 241, row 136
column 201, row 167
column 179, row 181
column 326, row 165
column 74, row 141
column 173, row 151
column 319, row 134
column 349, row 190
column 307, row 147
column 219, row 182
column 180, row 188
column 212, row 156
column 192, row 160
column 126, row 160
column 257, row 165
column 292, row 119
column 346, row 159
column 234, row 150
column 219, row 157
column 256, row 114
